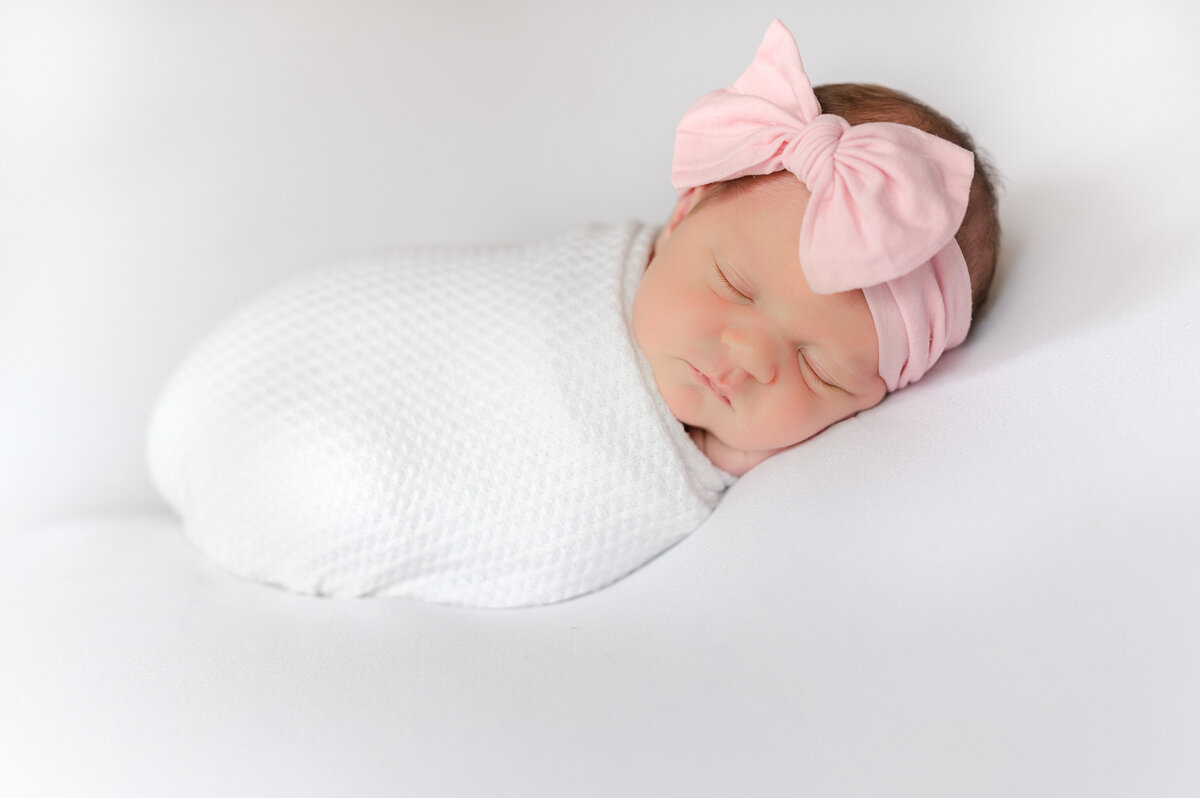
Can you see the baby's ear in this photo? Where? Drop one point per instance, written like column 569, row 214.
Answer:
column 683, row 207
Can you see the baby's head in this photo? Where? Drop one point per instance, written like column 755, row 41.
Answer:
column 766, row 322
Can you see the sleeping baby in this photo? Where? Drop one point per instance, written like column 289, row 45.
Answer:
column 518, row 425
column 811, row 265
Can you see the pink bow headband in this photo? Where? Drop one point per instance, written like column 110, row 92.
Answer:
column 885, row 202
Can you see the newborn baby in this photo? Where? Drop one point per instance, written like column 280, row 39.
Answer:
column 756, row 349
column 501, row 426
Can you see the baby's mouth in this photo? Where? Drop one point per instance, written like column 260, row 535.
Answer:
column 703, row 379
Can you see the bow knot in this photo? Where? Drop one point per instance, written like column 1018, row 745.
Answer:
column 885, row 198
column 812, row 154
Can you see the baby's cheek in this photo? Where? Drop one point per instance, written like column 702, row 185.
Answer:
column 649, row 317
column 684, row 402
column 783, row 423
column 639, row 318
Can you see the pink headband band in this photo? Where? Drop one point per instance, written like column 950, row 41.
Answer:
column 885, row 201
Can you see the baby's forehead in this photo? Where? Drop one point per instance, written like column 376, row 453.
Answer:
column 777, row 187
column 758, row 221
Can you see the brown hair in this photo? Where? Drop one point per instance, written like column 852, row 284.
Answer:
column 979, row 234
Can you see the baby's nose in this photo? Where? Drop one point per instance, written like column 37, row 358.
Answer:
column 752, row 351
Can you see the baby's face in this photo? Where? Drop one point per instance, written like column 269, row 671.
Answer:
column 739, row 345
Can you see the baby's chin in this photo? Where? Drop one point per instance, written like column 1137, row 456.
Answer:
column 749, row 440
column 688, row 406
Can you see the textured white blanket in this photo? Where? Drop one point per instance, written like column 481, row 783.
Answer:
column 472, row 426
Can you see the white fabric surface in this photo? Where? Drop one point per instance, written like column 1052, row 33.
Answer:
column 468, row 426
column 986, row 586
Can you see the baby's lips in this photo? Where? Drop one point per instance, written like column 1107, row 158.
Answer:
column 708, row 382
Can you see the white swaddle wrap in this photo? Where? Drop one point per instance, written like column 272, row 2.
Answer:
column 471, row 426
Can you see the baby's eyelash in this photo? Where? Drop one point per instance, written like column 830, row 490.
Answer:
column 729, row 285
column 816, row 374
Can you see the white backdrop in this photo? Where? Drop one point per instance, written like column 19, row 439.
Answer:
column 162, row 161
column 987, row 586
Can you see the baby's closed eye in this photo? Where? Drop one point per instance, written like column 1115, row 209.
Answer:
column 729, row 285
column 807, row 365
